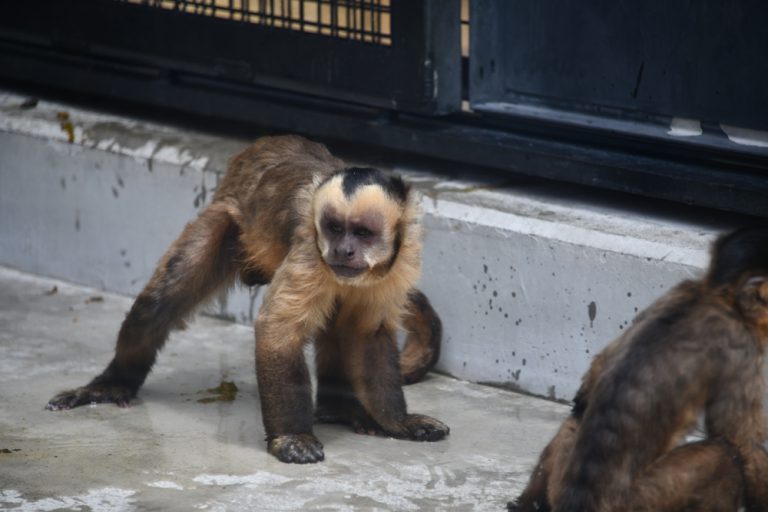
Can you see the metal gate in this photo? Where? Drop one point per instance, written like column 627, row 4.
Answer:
column 381, row 53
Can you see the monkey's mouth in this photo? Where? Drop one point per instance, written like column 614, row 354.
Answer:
column 347, row 271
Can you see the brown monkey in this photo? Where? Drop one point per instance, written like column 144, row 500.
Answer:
column 699, row 349
column 341, row 248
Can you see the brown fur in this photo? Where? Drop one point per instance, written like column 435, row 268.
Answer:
column 261, row 227
column 699, row 349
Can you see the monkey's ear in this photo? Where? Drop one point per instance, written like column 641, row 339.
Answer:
column 762, row 290
column 760, row 286
column 397, row 188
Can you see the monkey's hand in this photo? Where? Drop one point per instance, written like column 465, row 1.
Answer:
column 297, row 448
column 516, row 506
column 92, row 394
column 419, row 427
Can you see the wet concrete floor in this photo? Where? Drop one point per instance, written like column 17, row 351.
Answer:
column 171, row 451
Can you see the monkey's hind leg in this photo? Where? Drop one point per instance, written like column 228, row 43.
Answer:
column 198, row 263
column 336, row 401
column 705, row 476
column 372, row 367
column 544, row 481
column 422, row 344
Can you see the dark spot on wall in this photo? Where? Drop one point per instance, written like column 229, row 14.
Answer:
column 201, row 196
column 28, row 103
column 63, row 182
column 115, row 192
column 495, row 293
column 629, row 294
column 485, row 269
column 77, row 220
column 120, row 182
column 592, row 312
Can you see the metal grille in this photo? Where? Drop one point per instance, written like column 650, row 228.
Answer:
column 360, row 20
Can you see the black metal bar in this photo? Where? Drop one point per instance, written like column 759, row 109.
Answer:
column 718, row 180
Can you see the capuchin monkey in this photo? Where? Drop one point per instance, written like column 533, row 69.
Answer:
column 698, row 349
column 341, row 249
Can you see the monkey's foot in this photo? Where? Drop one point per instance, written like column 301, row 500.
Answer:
column 91, row 394
column 419, row 427
column 297, row 448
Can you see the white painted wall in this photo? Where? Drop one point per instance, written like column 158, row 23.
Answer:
column 531, row 281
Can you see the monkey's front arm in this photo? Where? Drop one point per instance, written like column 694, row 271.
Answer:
column 291, row 314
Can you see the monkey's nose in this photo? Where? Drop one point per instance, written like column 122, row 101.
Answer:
column 346, row 252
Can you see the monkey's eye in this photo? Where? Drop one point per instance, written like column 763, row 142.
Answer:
column 363, row 232
column 335, row 228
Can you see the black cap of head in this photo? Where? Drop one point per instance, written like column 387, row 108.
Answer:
column 736, row 253
column 357, row 177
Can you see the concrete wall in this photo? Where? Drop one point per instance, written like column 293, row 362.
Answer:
column 530, row 280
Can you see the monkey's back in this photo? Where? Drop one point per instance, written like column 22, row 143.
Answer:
column 646, row 389
column 266, row 189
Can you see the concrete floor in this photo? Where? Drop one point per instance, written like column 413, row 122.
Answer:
column 168, row 451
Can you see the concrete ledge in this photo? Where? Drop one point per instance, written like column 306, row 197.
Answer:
column 531, row 279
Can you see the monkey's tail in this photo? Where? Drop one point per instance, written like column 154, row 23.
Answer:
column 422, row 343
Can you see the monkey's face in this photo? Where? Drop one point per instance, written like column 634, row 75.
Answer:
column 356, row 233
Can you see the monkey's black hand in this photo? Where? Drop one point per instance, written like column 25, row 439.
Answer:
column 519, row 505
column 419, row 427
column 92, row 394
column 297, row 448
